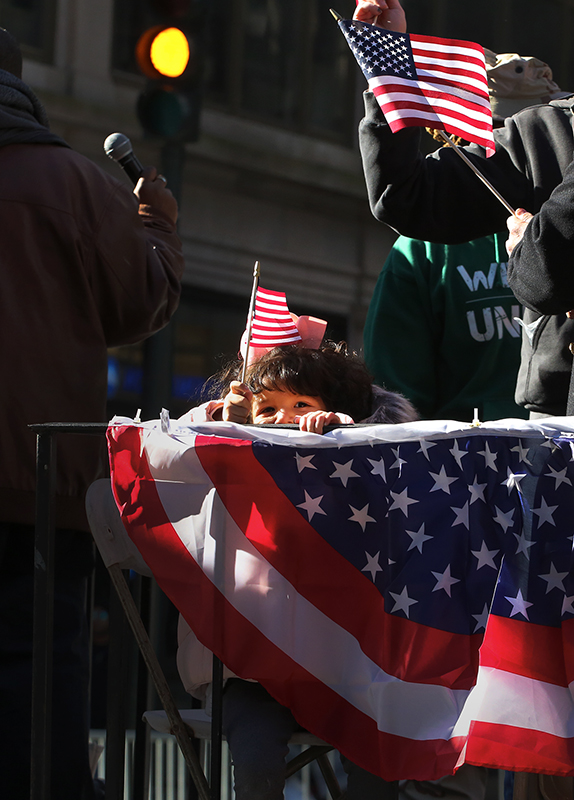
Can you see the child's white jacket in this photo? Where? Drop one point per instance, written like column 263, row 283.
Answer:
column 194, row 661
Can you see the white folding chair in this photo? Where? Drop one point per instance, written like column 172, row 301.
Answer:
column 119, row 553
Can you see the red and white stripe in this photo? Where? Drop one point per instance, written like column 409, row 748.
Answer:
column 272, row 325
column 450, row 91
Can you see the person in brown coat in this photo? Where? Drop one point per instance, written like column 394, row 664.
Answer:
column 85, row 264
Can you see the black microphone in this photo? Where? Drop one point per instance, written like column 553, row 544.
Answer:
column 118, row 147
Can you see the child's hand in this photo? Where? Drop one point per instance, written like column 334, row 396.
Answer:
column 237, row 403
column 314, row 421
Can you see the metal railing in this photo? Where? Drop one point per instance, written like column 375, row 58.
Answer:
column 169, row 776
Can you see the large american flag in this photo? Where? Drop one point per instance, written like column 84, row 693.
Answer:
column 424, row 80
column 408, row 590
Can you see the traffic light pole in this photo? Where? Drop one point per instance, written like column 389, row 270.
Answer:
column 158, row 349
column 156, row 394
column 172, row 166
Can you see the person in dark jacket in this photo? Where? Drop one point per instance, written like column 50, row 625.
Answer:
column 540, row 270
column 421, row 197
column 86, row 264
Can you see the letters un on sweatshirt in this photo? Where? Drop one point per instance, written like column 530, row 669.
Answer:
column 406, row 590
column 425, row 80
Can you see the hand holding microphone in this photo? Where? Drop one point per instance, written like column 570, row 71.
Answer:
column 150, row 186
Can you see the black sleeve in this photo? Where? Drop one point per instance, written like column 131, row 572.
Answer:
column 541, row 268
column 438, row 198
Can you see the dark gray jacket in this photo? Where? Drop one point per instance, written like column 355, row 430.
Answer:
column 541, row 274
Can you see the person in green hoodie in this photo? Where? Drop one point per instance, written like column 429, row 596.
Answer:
column 443, row 329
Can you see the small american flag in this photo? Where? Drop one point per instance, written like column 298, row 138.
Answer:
column 273, row 325
column 425, row 81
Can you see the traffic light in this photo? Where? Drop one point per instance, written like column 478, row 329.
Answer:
column 170, row 54
column 163, row 52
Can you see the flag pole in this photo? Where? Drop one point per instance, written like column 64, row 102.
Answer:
column 476, row 171
column 336, row 14
column 256, row 273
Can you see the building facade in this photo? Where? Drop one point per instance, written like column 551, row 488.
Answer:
column 274, row 175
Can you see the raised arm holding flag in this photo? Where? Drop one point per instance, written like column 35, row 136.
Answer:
column 415, row 195
column 426, row 81
column 437, row 199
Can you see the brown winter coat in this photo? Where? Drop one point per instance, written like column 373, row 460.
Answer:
column 81, row 269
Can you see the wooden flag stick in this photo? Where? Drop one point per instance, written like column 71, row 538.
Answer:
column 476, row 171
column 256, row 272
column 335, row 14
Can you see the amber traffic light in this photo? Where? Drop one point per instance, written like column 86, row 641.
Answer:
column 163, row 52
column 170, row 104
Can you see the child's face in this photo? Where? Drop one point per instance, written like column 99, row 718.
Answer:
column 275, row 406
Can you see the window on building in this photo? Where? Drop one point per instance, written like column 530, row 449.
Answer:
column 283, row 62
column 31, row 23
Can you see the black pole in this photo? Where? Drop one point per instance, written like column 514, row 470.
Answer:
column 172, row 166
column 142, row 732
column 117, row 699
column 42, row 647
column 216, row 729
column 158, row 349
column 43, row 605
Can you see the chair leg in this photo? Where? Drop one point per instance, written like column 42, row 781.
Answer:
column 317, row 752
column 329, row 776
column 160, row 683
column 305, row 757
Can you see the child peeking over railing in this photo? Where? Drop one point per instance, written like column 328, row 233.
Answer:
column 311, row 387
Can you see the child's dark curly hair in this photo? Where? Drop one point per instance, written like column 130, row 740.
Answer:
column 335, row 374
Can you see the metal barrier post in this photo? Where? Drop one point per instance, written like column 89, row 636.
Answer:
column 41, row 721
column 43, row 618
column 43, row 629
column 216, row 729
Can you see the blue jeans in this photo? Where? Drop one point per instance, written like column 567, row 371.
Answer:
column 258, row 729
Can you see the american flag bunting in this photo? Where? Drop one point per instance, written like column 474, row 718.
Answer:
column 408, row 590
